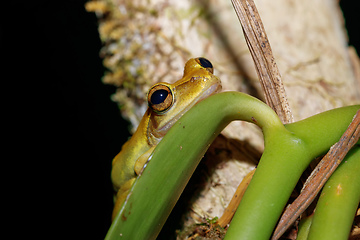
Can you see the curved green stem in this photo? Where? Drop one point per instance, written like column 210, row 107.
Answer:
column 286, row 155
column 173, row 161
column 338, row 201
column 319, row 130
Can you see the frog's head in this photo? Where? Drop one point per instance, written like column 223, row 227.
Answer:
column 168, row 102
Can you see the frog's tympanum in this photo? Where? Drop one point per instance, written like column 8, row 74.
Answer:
column 167, row 103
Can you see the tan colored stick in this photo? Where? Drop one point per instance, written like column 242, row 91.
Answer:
column 261, row 52
column 235, row 201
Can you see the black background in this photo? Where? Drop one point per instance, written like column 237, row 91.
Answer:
column 55, row 51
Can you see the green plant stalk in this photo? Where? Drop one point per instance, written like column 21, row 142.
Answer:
column 286, row 155
column 338, row 201
column 172, row 163
column 155, row 193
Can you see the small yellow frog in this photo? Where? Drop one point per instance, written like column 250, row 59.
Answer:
column 167, row 103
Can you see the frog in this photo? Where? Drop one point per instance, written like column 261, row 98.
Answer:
column 166, row 104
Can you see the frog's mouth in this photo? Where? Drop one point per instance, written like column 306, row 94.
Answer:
column 215, row 88
column 159, row 133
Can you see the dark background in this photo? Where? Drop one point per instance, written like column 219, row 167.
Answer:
column 82, row 129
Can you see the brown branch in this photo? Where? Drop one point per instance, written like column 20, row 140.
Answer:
column 235, row 201
column 319, row 176
column 261, row 53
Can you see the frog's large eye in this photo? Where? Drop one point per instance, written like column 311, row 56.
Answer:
column 206, row 64
column 160, row 98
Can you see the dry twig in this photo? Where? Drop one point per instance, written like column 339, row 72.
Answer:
column 235, row 201
column 261, row 52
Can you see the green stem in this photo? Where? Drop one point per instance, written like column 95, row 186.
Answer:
column 338, row 201
column 319, row 131
column 286, row 156
column 155, row 193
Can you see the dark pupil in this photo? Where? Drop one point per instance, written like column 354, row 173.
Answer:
column 159, row 96
column 205, row 63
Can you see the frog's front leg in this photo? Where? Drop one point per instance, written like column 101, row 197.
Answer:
column 125, row 188
column 142, row 160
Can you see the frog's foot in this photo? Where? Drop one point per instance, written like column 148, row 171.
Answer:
column 142, row 160
column 121, row 195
